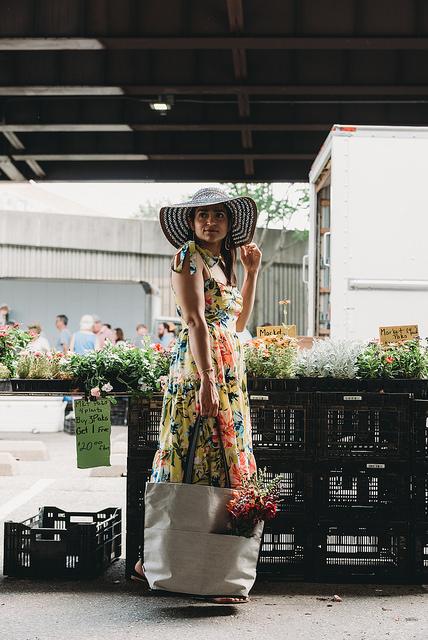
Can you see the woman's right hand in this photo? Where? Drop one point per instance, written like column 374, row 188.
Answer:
column 208, row 396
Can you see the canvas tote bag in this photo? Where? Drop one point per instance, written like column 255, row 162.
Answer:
column 186, row 548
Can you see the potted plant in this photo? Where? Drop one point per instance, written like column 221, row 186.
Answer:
column 270, row 363
column 13, row 340
column 395, row 367
column 120, row 368
column 5, row 375
column 330, row 365
column 43, row 372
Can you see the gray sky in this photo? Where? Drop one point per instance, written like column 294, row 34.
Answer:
column 119, row 200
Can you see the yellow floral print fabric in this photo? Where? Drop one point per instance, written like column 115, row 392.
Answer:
column 223, row 304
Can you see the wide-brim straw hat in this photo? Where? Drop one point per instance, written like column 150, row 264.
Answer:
column 175, row 218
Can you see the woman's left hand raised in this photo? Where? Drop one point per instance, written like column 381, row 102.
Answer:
column 251, row 257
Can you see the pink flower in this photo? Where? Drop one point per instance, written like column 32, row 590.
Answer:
column 95, row 392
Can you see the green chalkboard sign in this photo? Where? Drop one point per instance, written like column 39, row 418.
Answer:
column 93, row 430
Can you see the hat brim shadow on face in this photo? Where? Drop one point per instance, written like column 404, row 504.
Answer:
column 174, row 220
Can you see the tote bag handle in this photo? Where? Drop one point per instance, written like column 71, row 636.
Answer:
column 190, row 458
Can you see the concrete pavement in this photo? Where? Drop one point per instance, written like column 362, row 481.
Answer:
column 112, row 608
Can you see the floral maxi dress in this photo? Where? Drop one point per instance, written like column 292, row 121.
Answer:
column 223, row 303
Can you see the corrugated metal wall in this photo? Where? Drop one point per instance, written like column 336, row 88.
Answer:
column 42, row 262
column 278, row 282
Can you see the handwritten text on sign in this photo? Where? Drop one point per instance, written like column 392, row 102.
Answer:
column 93, row 430
column 399, row 333
column 280, row 330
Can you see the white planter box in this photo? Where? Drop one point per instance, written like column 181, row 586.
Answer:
column 44, row 414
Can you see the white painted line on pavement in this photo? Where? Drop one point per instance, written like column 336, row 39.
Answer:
column 24, row 496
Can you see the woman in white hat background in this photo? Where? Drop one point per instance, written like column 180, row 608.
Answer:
column 207, row 374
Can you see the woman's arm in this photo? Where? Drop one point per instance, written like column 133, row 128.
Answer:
column 189, row 289
column 251, row 257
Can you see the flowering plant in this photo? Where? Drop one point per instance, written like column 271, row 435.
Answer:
column 256, row 500
column 271, row 356
column 329, row 358
column 4, row 372
column 45, row 366
column 134, row 369
column 407, row 359
column 12, row 341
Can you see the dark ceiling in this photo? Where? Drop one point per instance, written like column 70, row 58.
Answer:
column 255, row 84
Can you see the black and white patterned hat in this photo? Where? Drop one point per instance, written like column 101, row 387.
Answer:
column 175, row 224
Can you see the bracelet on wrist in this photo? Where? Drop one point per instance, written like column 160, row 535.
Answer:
column 207, row 370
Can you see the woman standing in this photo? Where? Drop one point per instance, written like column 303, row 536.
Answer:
column 207, row 374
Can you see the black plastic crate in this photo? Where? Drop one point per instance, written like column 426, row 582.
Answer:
column 420, row 492
column 420, row 545
column 283, row 422
column 58, row 543
column 328, row 384
column 356, row 552
column 296, row 486
column 420, row 420
column 119, row 412
column 271, row 384
column 138, row 474
column 144, row 417
column 415, row 386
column 364, row 425
column 44, row 385
column 5, row 385
column 286, row 550
column 362, row 489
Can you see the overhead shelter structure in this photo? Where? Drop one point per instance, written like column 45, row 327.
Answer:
column 221, row 90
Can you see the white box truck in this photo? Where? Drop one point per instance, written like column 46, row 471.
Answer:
column 368, row 261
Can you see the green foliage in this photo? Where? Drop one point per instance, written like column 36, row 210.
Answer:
column 272, row 357
column 140, row 370
column 12, row 341
column 402, row 360
column 329, row 358
column 5, row 373
column 45, row 366
column 271, row 208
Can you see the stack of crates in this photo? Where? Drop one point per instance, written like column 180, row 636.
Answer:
column 144, row 418
column 354, row 483
column 283, row 441
column 363, row 480
column 419, row 521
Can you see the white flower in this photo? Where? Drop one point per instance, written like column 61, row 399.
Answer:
column 143, row 385
column 107, row 387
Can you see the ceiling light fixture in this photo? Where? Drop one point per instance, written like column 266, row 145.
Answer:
column 162, row 105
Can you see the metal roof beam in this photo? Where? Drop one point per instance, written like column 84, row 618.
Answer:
column 206, row 89
column 179, row 126
column 9, row 169
column 223, row 42
column 77, row 157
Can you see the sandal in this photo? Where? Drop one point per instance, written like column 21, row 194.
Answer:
column 228, row 600
column 138, row 577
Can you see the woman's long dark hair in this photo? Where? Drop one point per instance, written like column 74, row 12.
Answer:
column 228, row 253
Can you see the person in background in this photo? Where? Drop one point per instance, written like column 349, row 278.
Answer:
column 142, row 332
column 119, row 337
column 64, row 336
column 4, row 314
column 38, row 343
column 84, row 340
column 164, row 335
column 102, row 332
